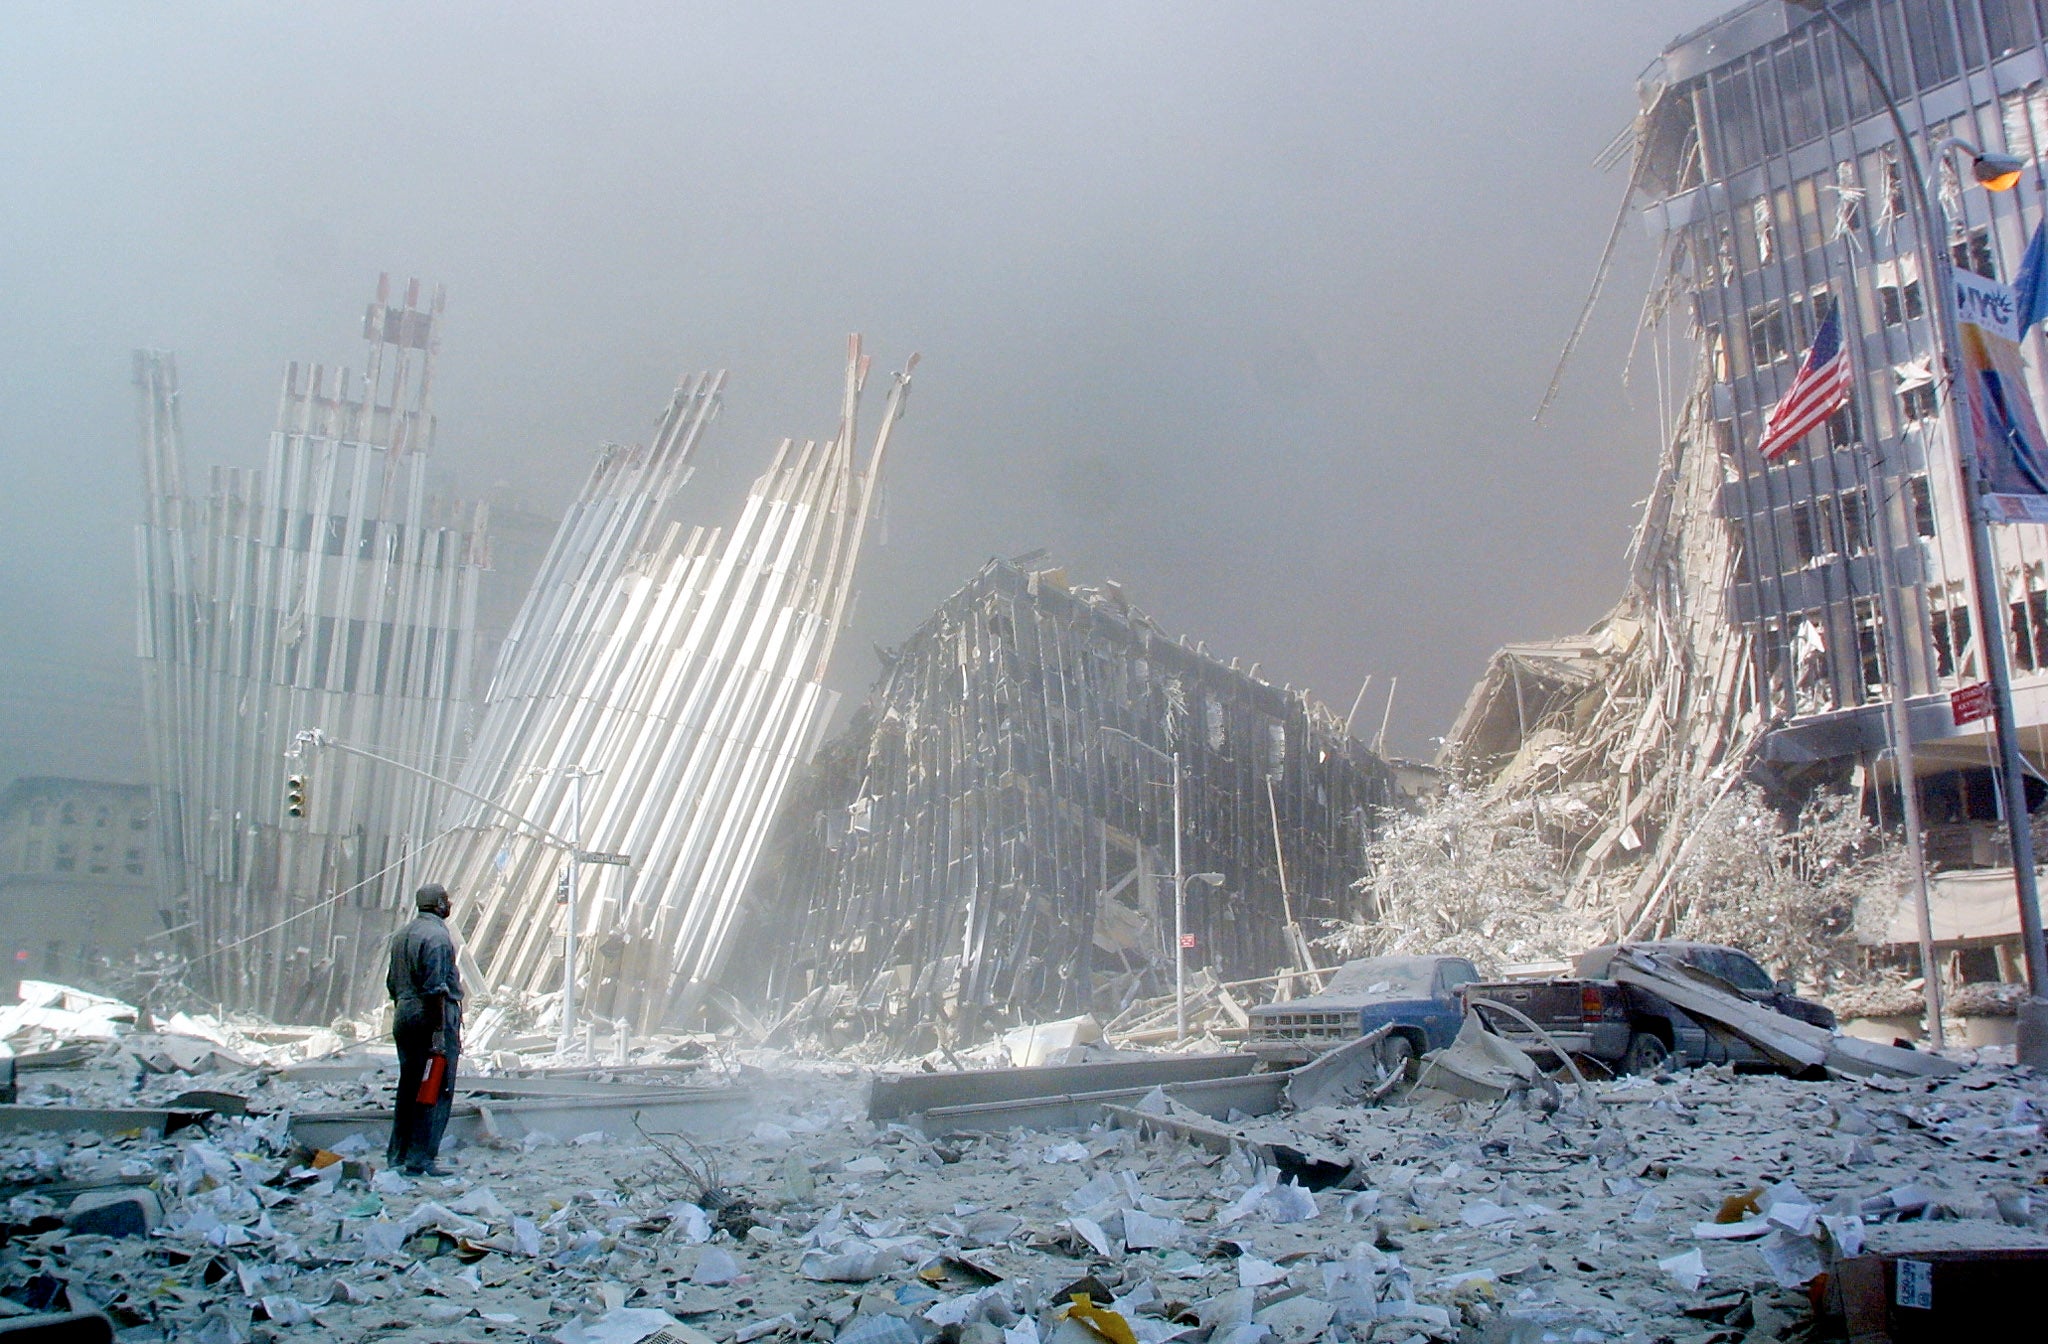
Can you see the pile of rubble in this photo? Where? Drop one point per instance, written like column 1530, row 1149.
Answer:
column 1133, row 1201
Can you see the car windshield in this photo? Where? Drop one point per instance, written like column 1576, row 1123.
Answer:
column 1384, row 978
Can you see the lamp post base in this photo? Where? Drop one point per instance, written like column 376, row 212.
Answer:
column 2031, row 1034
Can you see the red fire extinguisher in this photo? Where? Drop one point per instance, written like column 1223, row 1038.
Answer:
column 430, row 1085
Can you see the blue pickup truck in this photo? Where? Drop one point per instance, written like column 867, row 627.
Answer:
column 1418, row 995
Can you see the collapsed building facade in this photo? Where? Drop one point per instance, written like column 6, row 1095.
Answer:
column 991, row 840
column 1752, row 642
column 330, row 589
column 650, row 702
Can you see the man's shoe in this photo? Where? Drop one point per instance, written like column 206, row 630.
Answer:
column 432, row 1169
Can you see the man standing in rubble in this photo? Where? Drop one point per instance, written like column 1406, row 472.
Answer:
column 426, row 1002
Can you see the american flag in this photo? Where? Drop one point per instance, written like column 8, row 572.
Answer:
column 1820, row 389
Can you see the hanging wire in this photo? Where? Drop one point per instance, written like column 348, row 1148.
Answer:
column 314, row 909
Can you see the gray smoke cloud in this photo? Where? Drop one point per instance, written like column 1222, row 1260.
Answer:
column 1245, row 306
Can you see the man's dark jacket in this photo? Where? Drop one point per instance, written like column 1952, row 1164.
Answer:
column 423, row 971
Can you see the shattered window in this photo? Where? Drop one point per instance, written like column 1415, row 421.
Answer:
column 1212, row 722
column 1854, row 509
column 1768, row 339
column 1766, row 231
column 1813, row 678
column 1807, row 544
column 1918, row 403
column 1894, row 194
column 1898, row 303
column 1848, row 202
column 2030, row 631
column 1841, row 428
column 1922, row 503
column 1951, row 629
column 1870, row 648
column 1972, row 252
column 1828, row 521
column 2026, row 120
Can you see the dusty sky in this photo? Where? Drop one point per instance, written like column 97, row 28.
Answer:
column 1246, row 306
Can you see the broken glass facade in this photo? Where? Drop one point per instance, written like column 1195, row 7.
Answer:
column 1772, row 182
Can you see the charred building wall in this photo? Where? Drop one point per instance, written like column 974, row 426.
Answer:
column 991, row 839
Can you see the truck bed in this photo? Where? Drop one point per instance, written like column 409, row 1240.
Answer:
column 1584, row 1017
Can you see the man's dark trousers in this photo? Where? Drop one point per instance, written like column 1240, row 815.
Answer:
column 416, row 1130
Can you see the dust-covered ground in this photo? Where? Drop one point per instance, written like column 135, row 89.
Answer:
column 1459, row 1220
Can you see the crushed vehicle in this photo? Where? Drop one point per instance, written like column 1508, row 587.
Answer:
column 1418, row 996
column 1629, row 1028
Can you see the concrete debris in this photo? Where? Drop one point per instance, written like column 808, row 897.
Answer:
column 1479, row 1066
column 829, row 1206
column 1793, row 1044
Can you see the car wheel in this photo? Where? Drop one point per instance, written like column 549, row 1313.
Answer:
column 1395, row 1052
column 1646, row 1054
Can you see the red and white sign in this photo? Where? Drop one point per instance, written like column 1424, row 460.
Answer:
column 1967, row 704
column 1187, row 940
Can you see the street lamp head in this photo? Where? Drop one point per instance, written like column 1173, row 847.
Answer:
column 1213, row 879
column 1997, row 172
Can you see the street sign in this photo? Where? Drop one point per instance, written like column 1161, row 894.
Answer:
column 592, row 856
column 1967, row 704
column 1187, row 940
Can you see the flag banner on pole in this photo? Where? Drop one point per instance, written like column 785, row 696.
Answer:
column 1999, row 424
column 1820, row 388
column 2030, row 286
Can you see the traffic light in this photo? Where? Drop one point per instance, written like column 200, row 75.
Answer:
column 295, row 796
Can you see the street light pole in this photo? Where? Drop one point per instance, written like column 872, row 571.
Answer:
column 1180, row 919
column 577, row 774
column 1180, row 961
column 1935, row 267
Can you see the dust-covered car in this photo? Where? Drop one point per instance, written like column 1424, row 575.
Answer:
column 1418, row 996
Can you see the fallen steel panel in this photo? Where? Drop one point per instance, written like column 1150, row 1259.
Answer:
column 897, row 1096
column 1332, row 1077
column 1292, row 1163
column 700, row 1112
column 1253, row 1094
column 99, row 1119
column 592, row 1088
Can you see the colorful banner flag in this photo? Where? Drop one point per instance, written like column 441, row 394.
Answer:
column 1999, row 424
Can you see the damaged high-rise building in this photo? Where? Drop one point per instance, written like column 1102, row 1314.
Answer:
column 1753, row 641
column 992, row 838
column 330, row 589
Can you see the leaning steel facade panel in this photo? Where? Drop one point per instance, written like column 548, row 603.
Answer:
column 679, row 673
column 985, row 844
column 329, row 588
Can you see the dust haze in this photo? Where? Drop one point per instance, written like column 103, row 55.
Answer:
column 1246, row 307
